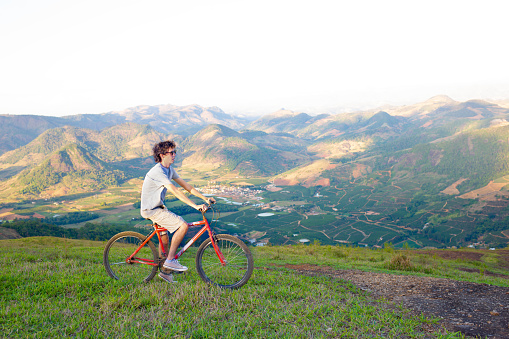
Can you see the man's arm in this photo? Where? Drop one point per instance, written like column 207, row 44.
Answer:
column 181, row 196
column 193, row 191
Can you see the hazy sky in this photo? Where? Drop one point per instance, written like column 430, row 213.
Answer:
column 70, row 57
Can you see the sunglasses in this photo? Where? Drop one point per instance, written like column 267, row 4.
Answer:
column 171, row 152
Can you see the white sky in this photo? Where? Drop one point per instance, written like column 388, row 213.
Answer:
column 69, row 57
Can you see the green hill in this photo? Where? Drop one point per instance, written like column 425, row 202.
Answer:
column 70, row 159
column 71, row 167
column 65, row 282
column 246, row 153
column 284, row 121
column 19, row 130
column 453, row 191
column 117, row 143
column 479, row 155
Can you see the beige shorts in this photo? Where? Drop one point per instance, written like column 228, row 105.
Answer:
column 167, row 219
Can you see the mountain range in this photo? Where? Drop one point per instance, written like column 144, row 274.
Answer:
column 270, row 145
column 429, row 155
column 18, row 130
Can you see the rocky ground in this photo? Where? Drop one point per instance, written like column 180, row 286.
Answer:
column 477, row 310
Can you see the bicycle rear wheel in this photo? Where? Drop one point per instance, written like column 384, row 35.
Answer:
column 238, row 262
column 121, row 247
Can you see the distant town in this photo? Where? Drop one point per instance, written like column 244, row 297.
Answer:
column 242, row 193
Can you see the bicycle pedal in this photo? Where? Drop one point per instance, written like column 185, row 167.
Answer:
column 168, row 271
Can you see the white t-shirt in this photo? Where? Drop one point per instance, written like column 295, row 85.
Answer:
column 153, row 190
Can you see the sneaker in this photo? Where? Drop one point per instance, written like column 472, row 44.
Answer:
column 174, row 265
column 166, row 277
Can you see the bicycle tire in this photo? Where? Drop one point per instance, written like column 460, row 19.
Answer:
column 120, row 247
column 238, row 257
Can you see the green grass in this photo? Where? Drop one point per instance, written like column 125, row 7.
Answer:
column 390, row 260
column 53, row 287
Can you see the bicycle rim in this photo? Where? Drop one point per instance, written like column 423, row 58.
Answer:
column 238, row 262
column 121, row 247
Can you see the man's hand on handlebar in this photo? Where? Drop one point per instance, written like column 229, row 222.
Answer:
column 205, row 207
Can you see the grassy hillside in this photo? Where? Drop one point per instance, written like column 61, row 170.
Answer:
column 246, row 153
column 68, row 160
column 18, row 130
column 120, row 142
column 283, row 121
column 451, row 191
column 72, row 167
column 53, row 287
column 479, row 156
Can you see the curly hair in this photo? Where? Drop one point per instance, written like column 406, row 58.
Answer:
column 161, row 148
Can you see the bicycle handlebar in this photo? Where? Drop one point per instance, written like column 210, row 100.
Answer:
column 209, row 206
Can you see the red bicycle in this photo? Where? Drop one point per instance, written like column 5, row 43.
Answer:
column 222, row 259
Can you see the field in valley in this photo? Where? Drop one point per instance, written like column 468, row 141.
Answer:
column 357, row 213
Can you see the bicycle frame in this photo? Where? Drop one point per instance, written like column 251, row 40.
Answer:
column 158, row 229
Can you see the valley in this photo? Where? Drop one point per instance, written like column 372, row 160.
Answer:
column 434, row 174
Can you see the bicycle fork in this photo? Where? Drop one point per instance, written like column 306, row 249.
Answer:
column 213, row 240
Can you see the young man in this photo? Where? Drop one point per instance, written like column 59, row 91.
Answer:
column 157, row 182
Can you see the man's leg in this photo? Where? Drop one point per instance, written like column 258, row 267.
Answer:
column 178, row 226
column 177, row 239
column 165, row 242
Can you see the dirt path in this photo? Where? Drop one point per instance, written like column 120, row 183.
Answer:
column 474, row 309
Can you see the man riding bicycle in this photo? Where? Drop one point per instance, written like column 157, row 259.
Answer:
column 157, row 182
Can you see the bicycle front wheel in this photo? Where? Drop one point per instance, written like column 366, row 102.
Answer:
column 238, row 265
column 120, row 248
